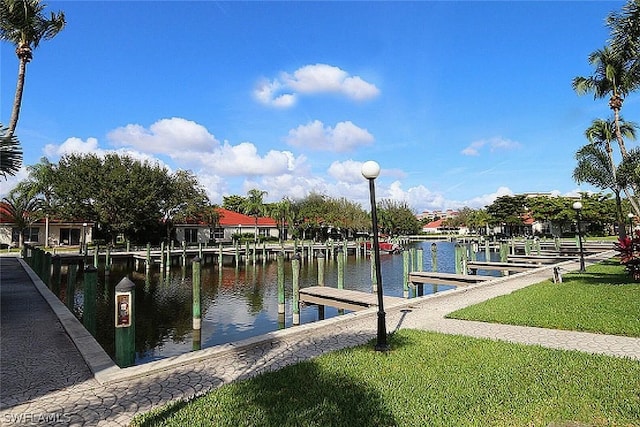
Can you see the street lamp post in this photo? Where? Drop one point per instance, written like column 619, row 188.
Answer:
column 577, row 206
column 630, row 216
column 370, row 170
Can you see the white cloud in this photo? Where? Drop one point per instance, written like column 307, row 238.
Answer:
column 347, row 171
column 494, row 144
column 9, row 182
column 73, row 145
column 312, row 79
column 345, row 136
column 487, row 199
column 175, row 137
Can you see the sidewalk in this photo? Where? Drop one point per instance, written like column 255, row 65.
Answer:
column 65, row 393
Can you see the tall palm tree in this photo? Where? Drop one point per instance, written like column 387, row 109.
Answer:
column 254, row 206
column 602, row 133
column 10, row 153
column 611, row 77
column 595, row 168
column 23, row 23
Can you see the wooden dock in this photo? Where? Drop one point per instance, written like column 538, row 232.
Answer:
column 451, row 279
column 345, row 299
column 540, row 259
column 517, row 267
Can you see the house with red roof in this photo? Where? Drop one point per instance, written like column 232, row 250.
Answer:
column 230, row 223
column 43, row 231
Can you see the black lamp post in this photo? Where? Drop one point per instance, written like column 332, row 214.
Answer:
column 630, row 216
column 370, row 170
column 577, row 206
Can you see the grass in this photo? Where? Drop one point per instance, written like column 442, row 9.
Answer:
column 443, row 380
column 604, row 300
column 427, row 379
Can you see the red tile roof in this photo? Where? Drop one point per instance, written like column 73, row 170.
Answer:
column 230, row 219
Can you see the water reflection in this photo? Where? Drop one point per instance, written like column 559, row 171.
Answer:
column 237, row 303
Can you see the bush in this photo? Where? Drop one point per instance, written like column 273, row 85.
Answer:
column 629, row 250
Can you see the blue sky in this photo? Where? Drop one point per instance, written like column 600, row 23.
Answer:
column 458, row 101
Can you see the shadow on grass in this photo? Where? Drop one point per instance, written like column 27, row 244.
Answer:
column 303, row 394
column 596, row 276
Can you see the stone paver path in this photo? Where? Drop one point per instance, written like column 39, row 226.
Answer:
column 63, row 392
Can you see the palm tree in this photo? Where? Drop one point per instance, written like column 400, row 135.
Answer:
column 602, row 133
column 625, row 35
column 612, row 78
column 595, row 168
column 281, row 211
column 23, row 23
column 22, row 210
column 10, row 153
column 254, row 206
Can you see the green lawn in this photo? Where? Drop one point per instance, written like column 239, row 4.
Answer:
column 428, row 379
column 602, row 300
column 431, row 379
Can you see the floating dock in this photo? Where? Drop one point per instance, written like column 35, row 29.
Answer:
column 345, row 299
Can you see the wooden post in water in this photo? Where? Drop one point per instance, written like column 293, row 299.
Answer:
column 405, row 270
column 107, row 260
column 125, row 323
column 340, row 256
column 46, row 269
column 458, row 258
column 96, row 255
column 374, row 276
column 70, row 299
column 434, row 257
column 168, row 261
column 197, row 284
column 504, row 251
column 419, row 259
column 281, row 295
column 295, row 265
column 147, row 264
column 57, row 274
column 487, row 251
column 89, row 308
column 320, row 271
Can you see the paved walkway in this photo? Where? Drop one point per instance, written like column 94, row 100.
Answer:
column 47, row 377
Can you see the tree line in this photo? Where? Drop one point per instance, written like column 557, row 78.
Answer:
column 143, row 201
column 509, row 215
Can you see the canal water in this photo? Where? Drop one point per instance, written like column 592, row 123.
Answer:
column 237, row 303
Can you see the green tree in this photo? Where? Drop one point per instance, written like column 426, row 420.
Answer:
column 233, row 203
column 120, row 194
column 184, row 200
column 281, row 211
column 10, row 153
column 311, row 213
column 594, row 167
column 254, row 206
column 22, row 210
column 507, row 211
column 396, row 218
column 24, row 24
